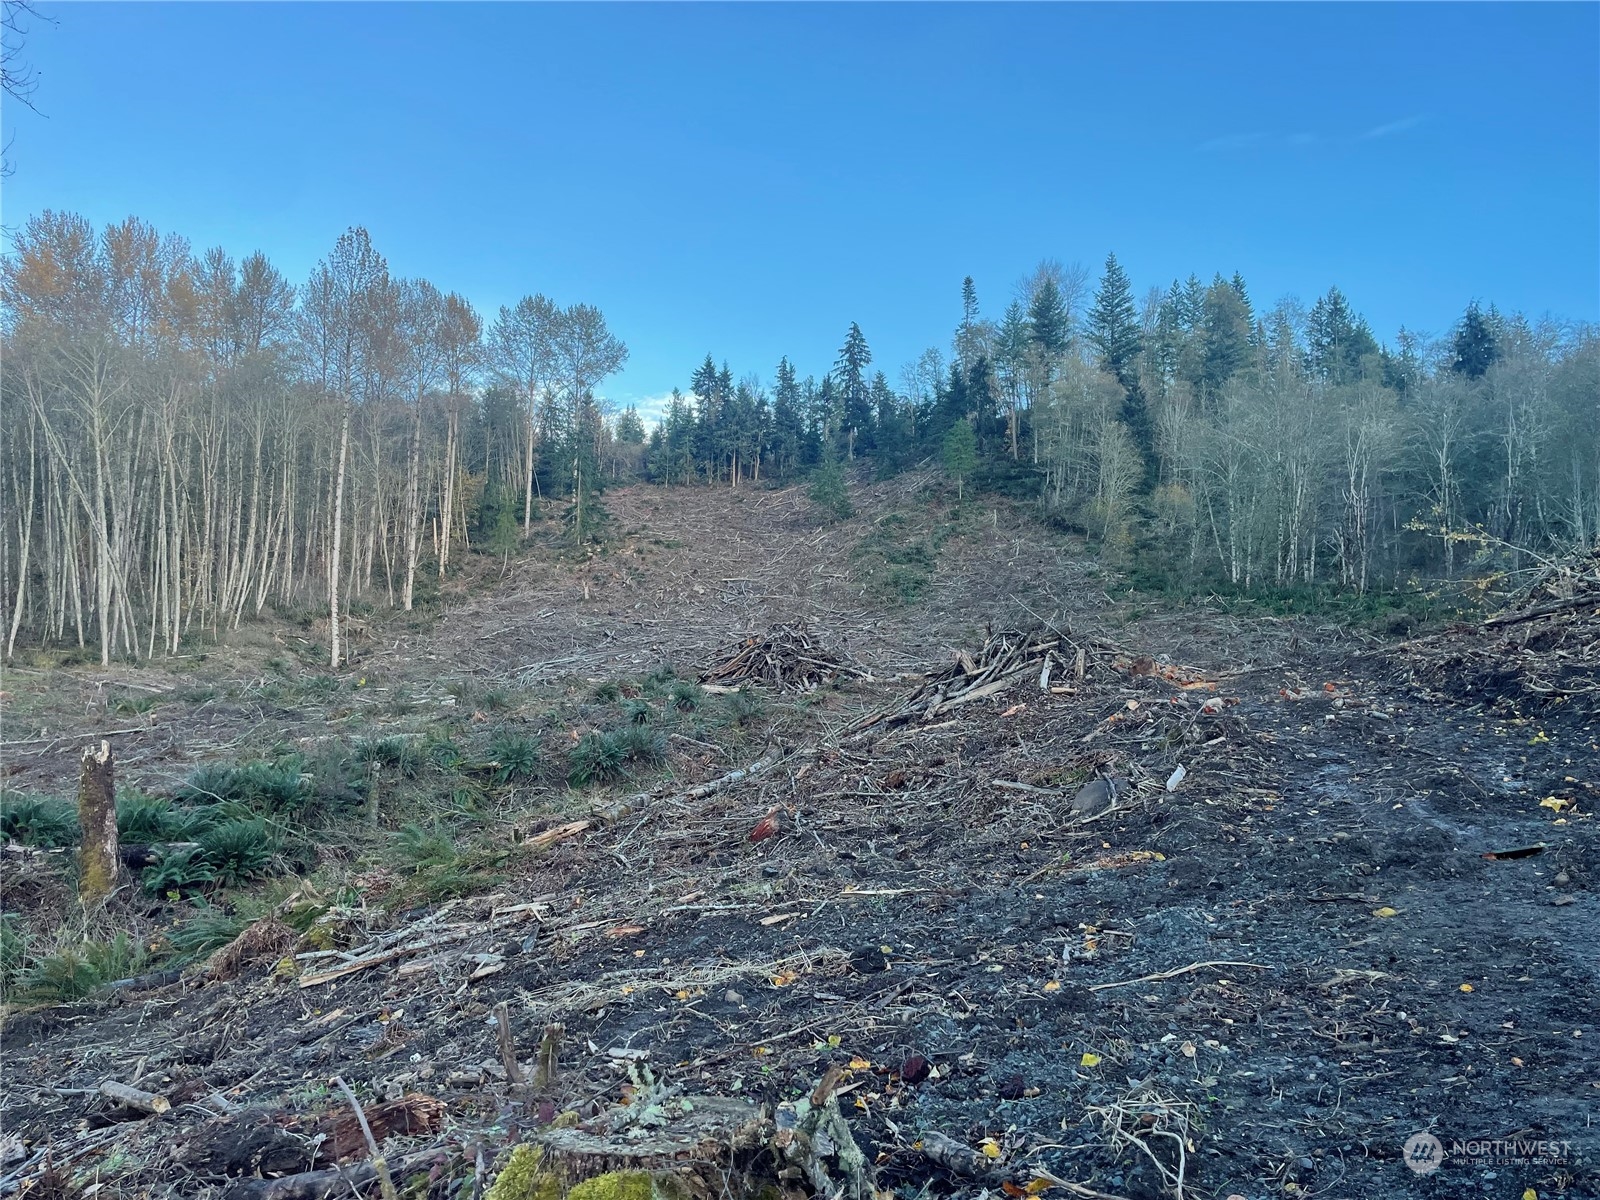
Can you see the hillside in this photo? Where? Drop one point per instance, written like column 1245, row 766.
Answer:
column 1283, row 936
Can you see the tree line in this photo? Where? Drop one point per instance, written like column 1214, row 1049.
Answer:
column 1201, row 437
column 189, row 438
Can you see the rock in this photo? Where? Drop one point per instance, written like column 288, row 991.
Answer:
column 1096, row 796
column 869, row 960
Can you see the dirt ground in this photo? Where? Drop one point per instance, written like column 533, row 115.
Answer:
column 1258, row 980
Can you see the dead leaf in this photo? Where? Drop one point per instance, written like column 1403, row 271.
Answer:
column 622, row 931
column 1386, row 911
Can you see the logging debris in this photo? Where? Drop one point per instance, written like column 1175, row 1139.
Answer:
column 786, row 657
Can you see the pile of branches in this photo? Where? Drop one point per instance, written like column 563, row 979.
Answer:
column 1007, row 657
column 1543, row 648
column 785, row 657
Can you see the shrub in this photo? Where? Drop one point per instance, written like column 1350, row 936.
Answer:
column 420, row 849
column 180, row 869
column 439, row 871
column 608, row 692
column 281, row 786
column 36, row 821
column 77, row 972
column 209, row 929
column 595, row 759
column 442, row 752
column 638, row 712
column 513, row 756
column 745, row 707
column 321, row 688
column 238, row 850
column 603, row 757
column 396, row 752
column 686, row 696
column 830, row 493
column 13, row 952
column 142, row 818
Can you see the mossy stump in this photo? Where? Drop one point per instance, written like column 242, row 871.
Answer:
column 694, row 1158
column 99, row 857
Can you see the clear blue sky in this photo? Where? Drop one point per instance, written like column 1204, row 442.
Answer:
column 749, row 179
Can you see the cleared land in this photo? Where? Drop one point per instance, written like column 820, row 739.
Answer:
column 1260, row 978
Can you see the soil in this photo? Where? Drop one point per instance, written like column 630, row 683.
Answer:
column 1310, row 948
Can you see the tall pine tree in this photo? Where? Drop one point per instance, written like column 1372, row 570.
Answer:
column 850, row 378
column 1115, row 332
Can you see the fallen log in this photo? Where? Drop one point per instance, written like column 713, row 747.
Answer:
column 458, row 934
column 132, row 1097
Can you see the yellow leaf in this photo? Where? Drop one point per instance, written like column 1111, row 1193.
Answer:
column 1089, row 1059
column 1466, row 987
column 860, row 1064
column 761, row 1050
column 784, row 978
column 1557, row 803
column 1053, row 986
column 1386, row 911
column 1530, row 1194
column 861, row 1103
column 990, row 1148
column 834, row 1039
column 1038, row 1187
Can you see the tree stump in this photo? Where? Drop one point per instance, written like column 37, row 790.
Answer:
column 99, row 859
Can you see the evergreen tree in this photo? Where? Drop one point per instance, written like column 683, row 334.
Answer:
column 1114, row 324
column 1049, row 323
column 788, row 420
column 850, row 375
column 960, row 453
column 1339, row 342
column 966, row 333
column 630, row 429
column 889, row 426
column 1474, row 348
column 1115, row 332
column 1227, row 330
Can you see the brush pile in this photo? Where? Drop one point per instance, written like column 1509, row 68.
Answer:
column 1007, row 657
column 785, row 657
column 1542, row 649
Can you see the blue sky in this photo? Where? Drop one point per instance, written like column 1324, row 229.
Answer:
column 748, row 179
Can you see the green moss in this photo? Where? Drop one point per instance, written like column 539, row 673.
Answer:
column 524, row 1177
column 615, row 1185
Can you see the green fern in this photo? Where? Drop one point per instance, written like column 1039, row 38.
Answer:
column 514, row 757
column 178, row 870
column 36, row 821
column 239, row 850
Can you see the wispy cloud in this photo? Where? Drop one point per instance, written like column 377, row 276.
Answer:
column 1231, row 141
column 651, row 408
column 1392, row 127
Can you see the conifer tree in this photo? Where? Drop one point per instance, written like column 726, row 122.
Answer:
column 1474, row 348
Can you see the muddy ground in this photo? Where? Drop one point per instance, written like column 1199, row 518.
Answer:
column 1287, row 965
